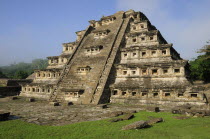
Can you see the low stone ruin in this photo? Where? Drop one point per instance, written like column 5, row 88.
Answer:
column 143, row 124
column 153, row 120
column 136, row 125
column 31, row 99
column 54, row 103
column 190, row 111
column 153, row 109
column 4, row 115
column 125, row 117
column 128, row 116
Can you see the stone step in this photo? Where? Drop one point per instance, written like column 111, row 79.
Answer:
column 71, row 59
column 108, row 66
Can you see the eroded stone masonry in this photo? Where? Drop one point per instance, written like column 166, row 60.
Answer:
column 121, row 58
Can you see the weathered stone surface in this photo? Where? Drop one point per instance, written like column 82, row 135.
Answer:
column 201, row 111
column 207, row 113
column 190, row 111
column 121, row 58
column 4, row 115
column 54, row 103
column 136, row 125
column 69, row 103
column 199, row 115
column 31, row 99
column 116, row 119
column 9, row 90
column 61, row 115
column 103, row 106
column 116, row 113
column 14, row 98
column 129, row 111
column 128, row 116
column 32, row 120
column 153, row 109
column 153, row 120
column 111, row 114
column 181, row 110
column 189, row 114
column 175, row 111
column 187, row 106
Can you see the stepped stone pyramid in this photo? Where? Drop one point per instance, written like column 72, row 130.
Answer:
column 121, row 58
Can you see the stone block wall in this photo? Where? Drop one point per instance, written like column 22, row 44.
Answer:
column 10, row 91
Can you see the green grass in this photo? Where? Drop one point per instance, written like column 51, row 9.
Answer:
column 193, row 128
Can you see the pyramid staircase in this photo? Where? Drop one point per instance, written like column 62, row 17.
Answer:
column 54, row 95
column 108, row 66
column 94, row 96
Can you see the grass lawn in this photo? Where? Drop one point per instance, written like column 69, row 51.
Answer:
column 193, row 128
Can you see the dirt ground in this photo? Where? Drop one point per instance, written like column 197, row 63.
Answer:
column 42, row 113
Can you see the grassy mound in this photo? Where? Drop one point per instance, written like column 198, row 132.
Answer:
column 171, row 128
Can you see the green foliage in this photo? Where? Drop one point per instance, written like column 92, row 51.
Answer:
column 22, row 70
column 20, row 74
column 192, row 128
column 2, row 75
column 200, row 67
column 39, row 64
column 205, row 50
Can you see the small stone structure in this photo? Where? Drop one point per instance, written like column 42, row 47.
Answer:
column 4, row 115
column 120, row 58
column 11, row 87
column 136, row 125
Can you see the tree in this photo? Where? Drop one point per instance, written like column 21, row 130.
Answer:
column 11, row 70
column 200, row 67
column 2, row 75
column 39, row 64
column 20, row 74
column 205, row 50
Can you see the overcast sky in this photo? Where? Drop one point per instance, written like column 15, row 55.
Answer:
column 31, row 29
